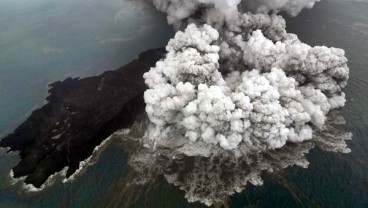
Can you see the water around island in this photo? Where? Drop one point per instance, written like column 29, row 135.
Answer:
column 41, row 42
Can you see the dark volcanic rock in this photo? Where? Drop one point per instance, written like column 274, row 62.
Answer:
column 79, row 115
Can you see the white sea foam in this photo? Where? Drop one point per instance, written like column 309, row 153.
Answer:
column 50, row 180
column 83, row 165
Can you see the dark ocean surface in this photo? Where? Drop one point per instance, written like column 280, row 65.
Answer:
column 44, row 41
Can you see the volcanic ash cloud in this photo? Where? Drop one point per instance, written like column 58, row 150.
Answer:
column 234, row 79
column 235, row 96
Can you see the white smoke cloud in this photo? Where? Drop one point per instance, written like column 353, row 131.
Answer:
column 282, row 91
column 238, row 81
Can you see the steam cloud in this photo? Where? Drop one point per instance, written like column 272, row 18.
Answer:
column 234, row 79
column 236, row 86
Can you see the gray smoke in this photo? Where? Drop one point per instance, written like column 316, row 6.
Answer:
column 214, row 10
column 292, row 7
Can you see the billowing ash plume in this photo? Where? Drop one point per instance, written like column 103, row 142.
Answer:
column 232, row 79
column 235, row 85
column 292, row 7
column 178, row 10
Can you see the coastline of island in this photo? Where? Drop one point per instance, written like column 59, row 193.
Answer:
column 78, row 117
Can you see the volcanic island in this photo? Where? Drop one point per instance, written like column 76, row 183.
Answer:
column 78, row 116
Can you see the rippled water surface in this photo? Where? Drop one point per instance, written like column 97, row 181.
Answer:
column 43, row 41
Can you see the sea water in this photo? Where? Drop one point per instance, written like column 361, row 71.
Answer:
column 44, row 41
